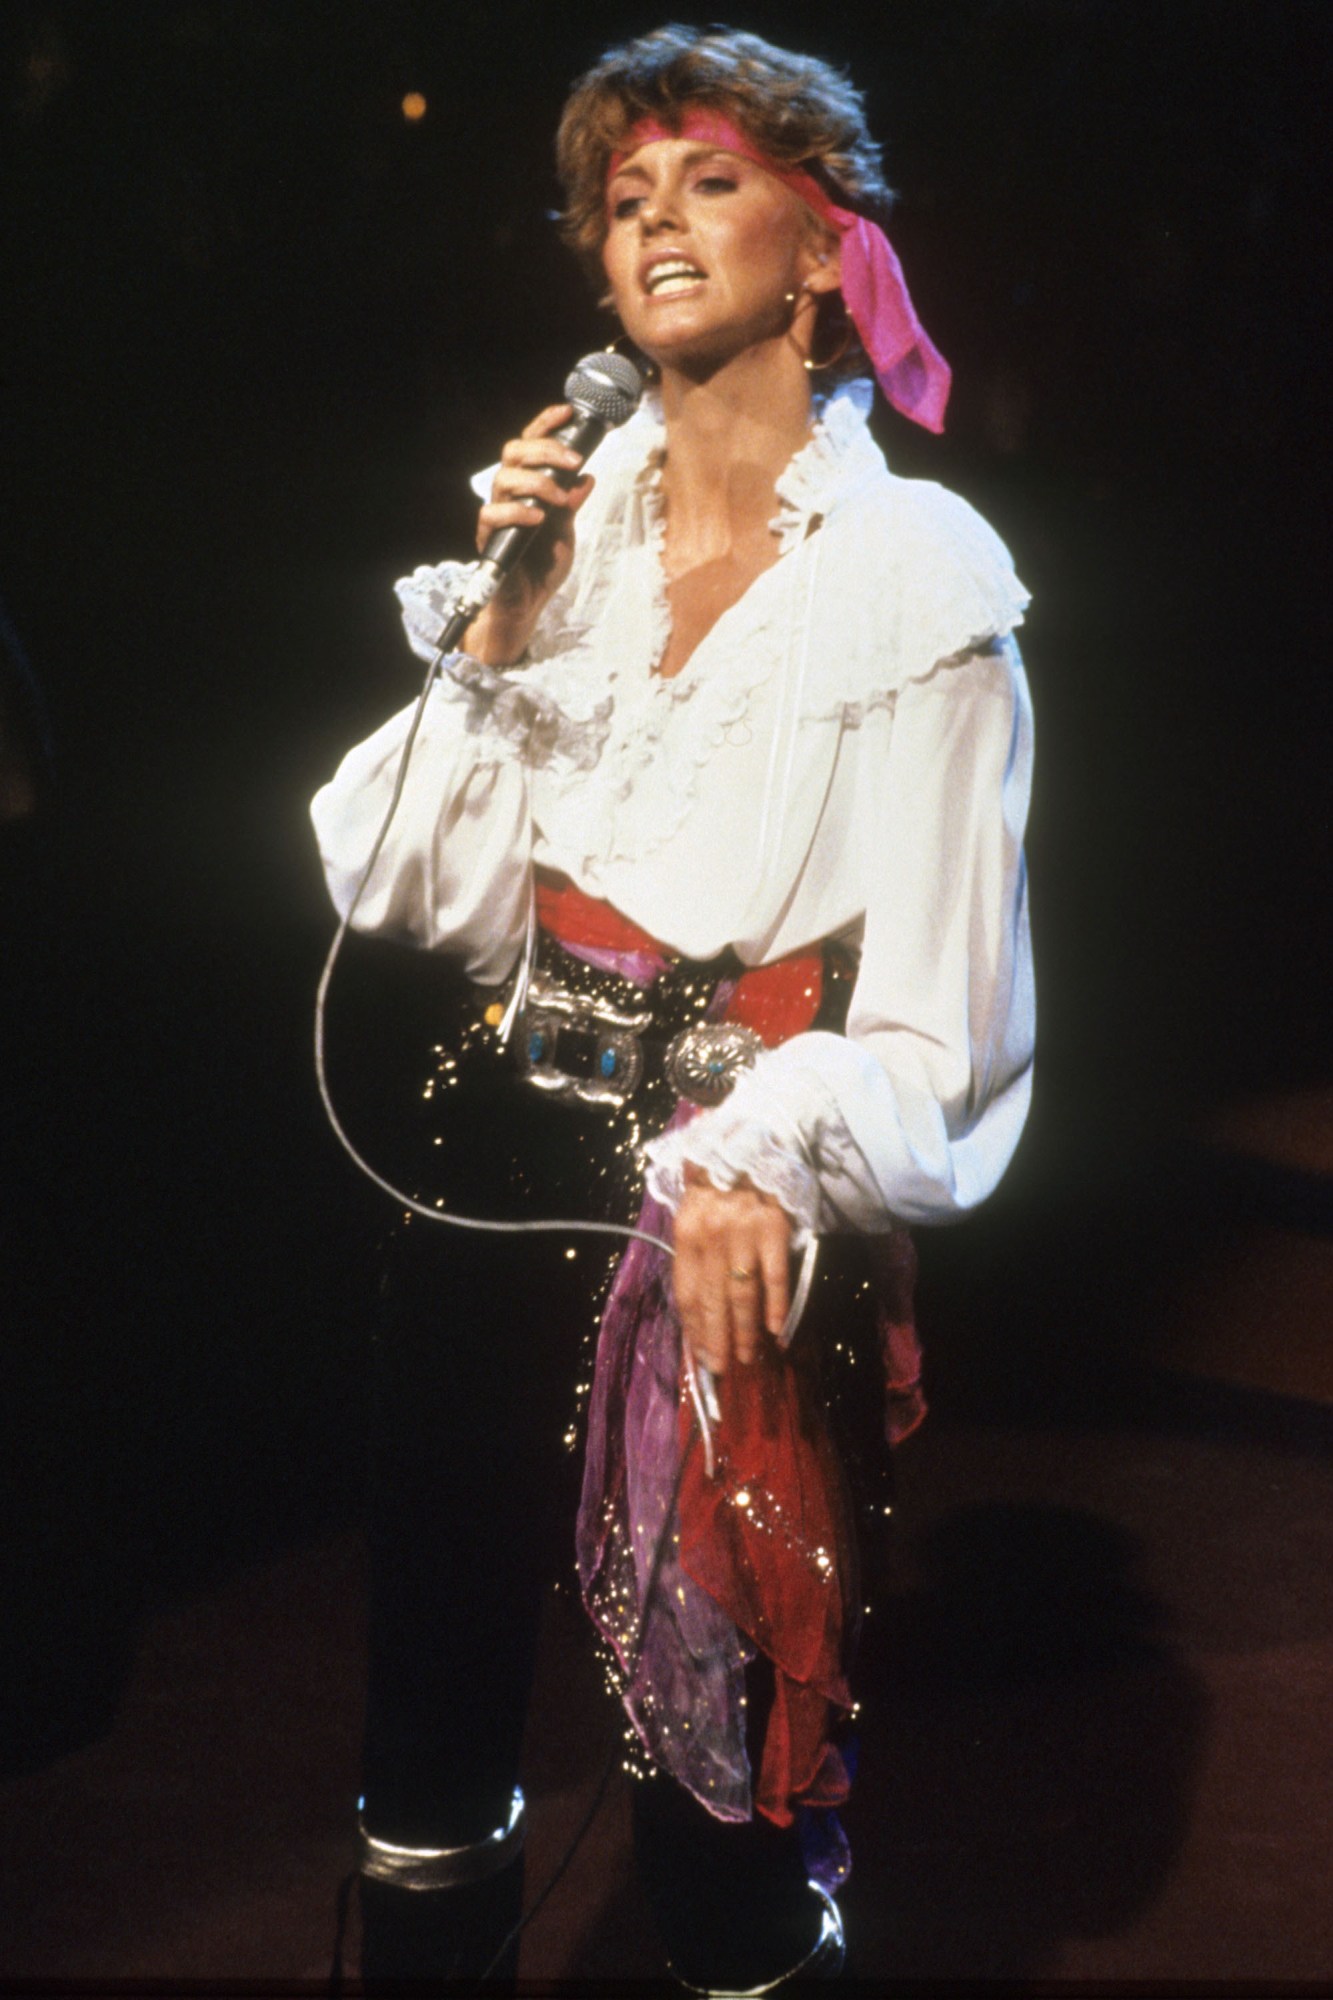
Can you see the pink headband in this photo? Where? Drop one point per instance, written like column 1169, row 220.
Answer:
column 911, row 371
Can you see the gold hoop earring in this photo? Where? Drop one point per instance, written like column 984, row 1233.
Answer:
column 832, row 360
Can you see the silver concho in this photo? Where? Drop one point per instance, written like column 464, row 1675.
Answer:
column 703, row 1062
column 552, row 1012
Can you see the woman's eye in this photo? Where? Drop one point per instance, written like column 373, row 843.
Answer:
column 715, row 184
column 627, row 206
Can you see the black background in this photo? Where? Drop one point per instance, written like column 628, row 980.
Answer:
column 257, row 329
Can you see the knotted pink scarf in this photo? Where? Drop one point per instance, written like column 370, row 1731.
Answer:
column 908, row 366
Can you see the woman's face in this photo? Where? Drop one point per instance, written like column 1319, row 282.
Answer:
column 703, row 251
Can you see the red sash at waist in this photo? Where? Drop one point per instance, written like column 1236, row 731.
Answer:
column 777, row 1001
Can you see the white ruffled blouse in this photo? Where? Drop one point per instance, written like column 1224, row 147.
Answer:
column 847, row 753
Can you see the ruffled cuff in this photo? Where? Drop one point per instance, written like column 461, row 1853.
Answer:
column 508, row 708
column 429, row 599
column 731, row 1146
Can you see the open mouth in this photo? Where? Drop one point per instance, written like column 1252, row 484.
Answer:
column 672, row 274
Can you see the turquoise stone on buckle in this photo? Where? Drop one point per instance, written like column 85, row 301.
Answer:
column 579, row 1048
column 703, row 1062
column 556, row 1022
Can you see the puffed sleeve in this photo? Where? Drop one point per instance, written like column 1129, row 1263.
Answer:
column 914, row 1113
column 454, row 870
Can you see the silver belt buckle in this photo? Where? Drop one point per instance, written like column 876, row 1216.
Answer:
column 551, row 1012
column 703, row 1062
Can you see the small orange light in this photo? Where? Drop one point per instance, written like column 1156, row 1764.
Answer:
column 414, row 106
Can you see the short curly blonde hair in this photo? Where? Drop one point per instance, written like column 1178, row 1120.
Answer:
column 797, row 109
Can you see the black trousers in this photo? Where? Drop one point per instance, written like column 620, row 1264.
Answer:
column 473, row 1495
column 472, row 1512
column 472, row 1498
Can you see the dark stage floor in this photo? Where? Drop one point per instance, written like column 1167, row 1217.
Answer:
column 1097, row 1740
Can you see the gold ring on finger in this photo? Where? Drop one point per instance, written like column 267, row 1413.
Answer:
column 743, row 1274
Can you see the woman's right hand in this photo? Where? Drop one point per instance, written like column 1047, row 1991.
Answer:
column 525, row 491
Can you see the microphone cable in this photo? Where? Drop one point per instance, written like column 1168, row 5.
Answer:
column 699, row 1381
column 603, row 391
column 702, row 1392
column 400, row 1195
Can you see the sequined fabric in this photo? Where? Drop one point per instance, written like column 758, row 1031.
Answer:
column 760, row 1559
column 680, row 1659
column 769, row 1537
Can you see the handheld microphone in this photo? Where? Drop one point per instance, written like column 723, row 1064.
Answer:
column 605, row 390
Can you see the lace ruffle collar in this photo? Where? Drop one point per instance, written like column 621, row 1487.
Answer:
column 819, row 471
column 811, row 482
column 908, row 578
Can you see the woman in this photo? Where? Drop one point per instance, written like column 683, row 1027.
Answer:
column 751, row 728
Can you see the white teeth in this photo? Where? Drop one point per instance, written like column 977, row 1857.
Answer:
column 672, row 277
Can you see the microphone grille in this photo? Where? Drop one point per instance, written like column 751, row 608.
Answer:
column 609, row 385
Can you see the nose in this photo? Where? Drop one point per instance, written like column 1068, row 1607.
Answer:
column 658, row 213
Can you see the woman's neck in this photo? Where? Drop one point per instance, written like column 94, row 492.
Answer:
column 729, row 438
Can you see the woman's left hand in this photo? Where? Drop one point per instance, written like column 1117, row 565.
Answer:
column 731, row 1276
